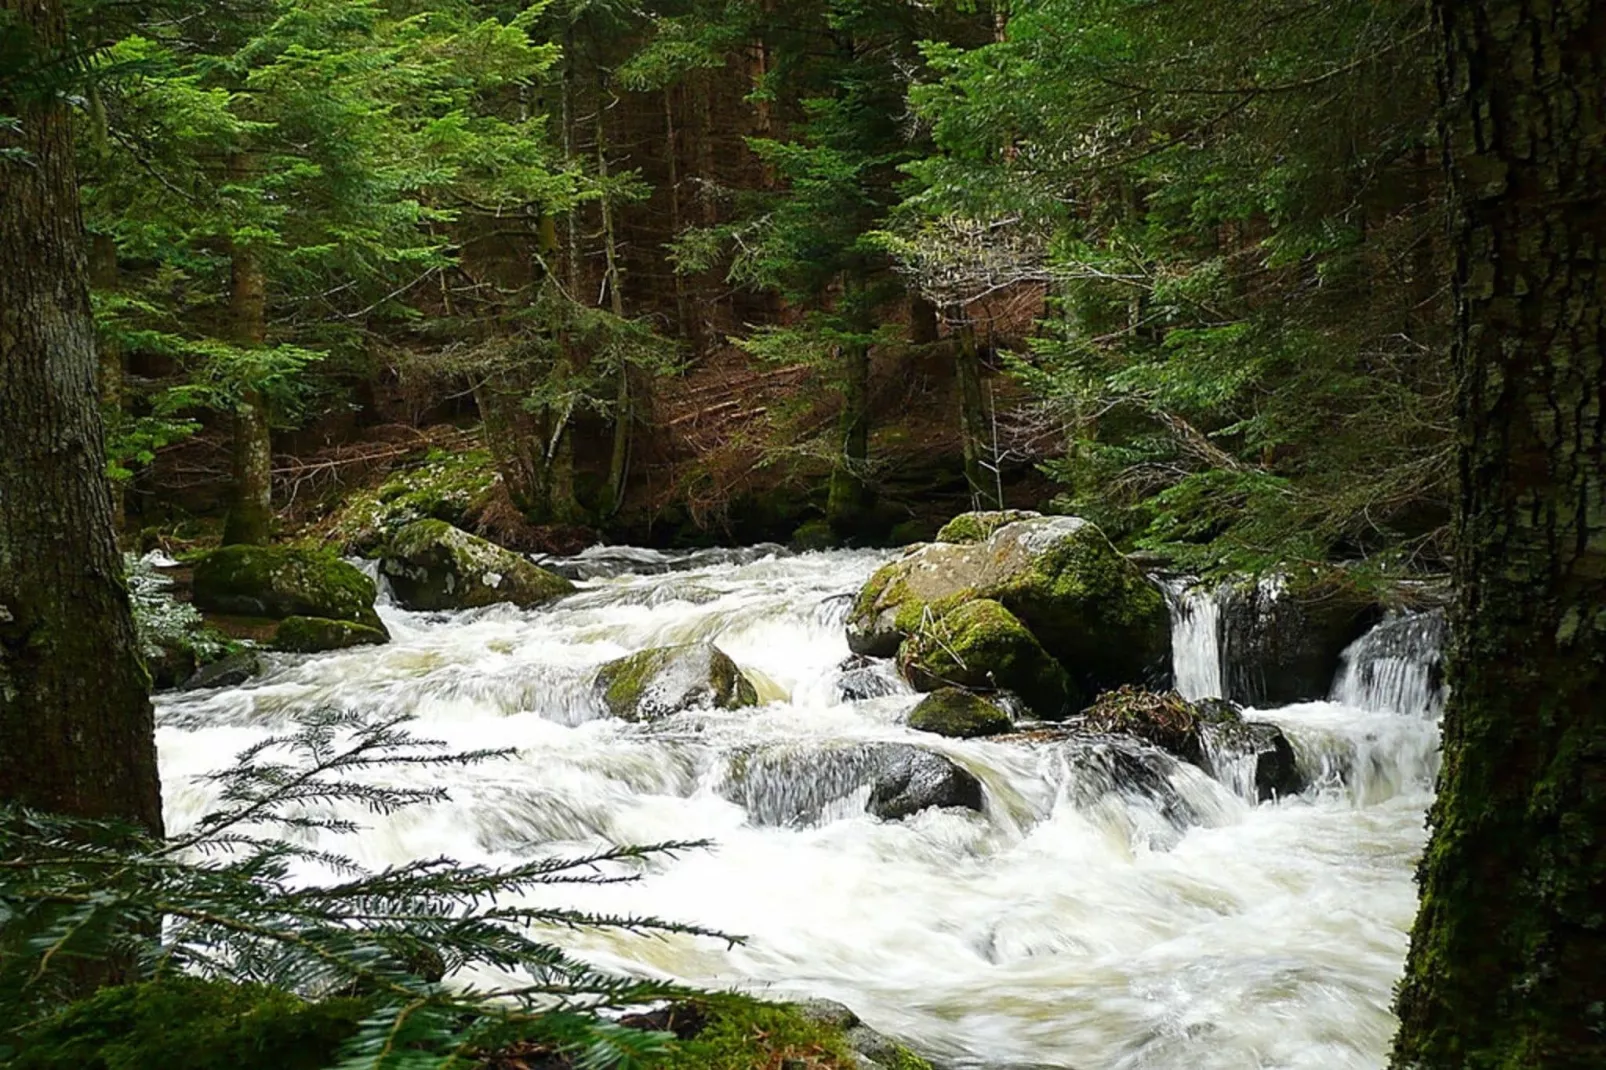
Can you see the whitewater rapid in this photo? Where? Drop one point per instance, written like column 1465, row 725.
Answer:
column 1075, row 923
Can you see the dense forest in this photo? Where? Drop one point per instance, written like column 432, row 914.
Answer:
column 1191, row 413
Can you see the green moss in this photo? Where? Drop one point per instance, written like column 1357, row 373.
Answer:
column 958, row 714
column 686, row 675
column 904, row 1059
column 312, row 635
column 739, row 1033
column 184, row 1023
column 277, row 582
column 814, row 535
column 979, row 527
column 433, row 566
column 980, row 645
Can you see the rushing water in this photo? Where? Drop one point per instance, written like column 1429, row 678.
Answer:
column 1111, row 910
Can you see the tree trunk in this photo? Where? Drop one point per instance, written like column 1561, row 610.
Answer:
column 1508, row 958
column 619, row 455
column 103, row 276
column 850, row 497
column 250, row 519
column 972, row 412
column 76, row 733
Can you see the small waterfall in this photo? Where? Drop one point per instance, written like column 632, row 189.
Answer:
column 1397, row 666
column 1195, row 639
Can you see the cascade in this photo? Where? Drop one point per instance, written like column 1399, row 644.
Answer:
column 1195, row 638
column 1110, row 908
column 1397, row 666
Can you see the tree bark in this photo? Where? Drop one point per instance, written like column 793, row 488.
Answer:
column 1508, row 957
column 250, row 518
column 972, row 412
column 850, row 498
column 76, row 732
column 103, row 276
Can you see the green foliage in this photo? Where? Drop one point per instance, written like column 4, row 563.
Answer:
column 162, row 623
column 192, row 1023
column 219, row 902
column 1238, row 215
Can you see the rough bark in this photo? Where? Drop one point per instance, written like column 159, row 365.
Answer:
column 250, row 518
column 1508, row 957
column 76, row 733
column 103, row 276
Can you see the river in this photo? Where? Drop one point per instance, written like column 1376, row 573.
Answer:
column 1075, row 923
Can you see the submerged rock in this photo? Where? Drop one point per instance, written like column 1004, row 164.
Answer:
column 805, row 783
column 958, row 714
column 912, row 780
column 276, row 582
column 860, row 678
column 232, row 671
column 434, row 566
column 1210, row 734
column 313, row 635
column 653, row 684
column 980, row 645
column 1090, row 608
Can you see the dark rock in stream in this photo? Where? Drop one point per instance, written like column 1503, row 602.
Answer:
column 807, row 783
column 860, row 678
column 232, row 671
column 913, row 780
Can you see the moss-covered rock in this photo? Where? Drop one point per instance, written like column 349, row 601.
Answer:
column 185, row 1023
column 448, row 485
column 1210, row 733
column 278, row 582
column 313, row 635
column 979, row 527
column 653, row 684
column 958, row 714
column 980, row 645
column 814, row 535
column 733, row 1032
column 434, row 566
column 1094, row 611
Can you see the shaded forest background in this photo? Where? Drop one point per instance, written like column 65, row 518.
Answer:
column 703, row 272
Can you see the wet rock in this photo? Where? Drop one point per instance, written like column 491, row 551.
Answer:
column 793, row 784
column 276, row 582
column 313, row 635
column 661, row 682
column 873, row 1049
column 1282, row 640
column 982, row 646
column 434, row 566
column 1090, row 608
column 232, row 671
column 912, row 780
column 814, row 535
column 1210, row 734
column 860, row 678
column 979, row 527
column 958, row 714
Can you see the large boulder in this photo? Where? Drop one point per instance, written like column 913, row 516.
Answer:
column 313, row 635
column 276, row 582
column 1282, row 638
column 958, row 714
column 980, row 645
column 653, row 684
column 1254, row 758
column 434, row 566
column 979, row 527
column 1090, row 608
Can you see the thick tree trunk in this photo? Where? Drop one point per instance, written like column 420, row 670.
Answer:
column 250, row 517
column 76, row 732
column 1508, row 958
column 103, row 276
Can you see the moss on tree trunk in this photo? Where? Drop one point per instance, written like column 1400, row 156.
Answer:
column 76, row 733
column 1508, row 958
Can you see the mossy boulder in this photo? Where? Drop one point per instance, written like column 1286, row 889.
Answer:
column 186, row 1023
column 450, row 485
column 276, row 582
column 735, row 1032
column 1090, row 608
column 980, row 645
column 979, row 527
column 313, row 635
column 815, row 535
column 1210, row 733
column 663, row 681
column 434, row 566
column 958, row 714
column 1283, row 637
